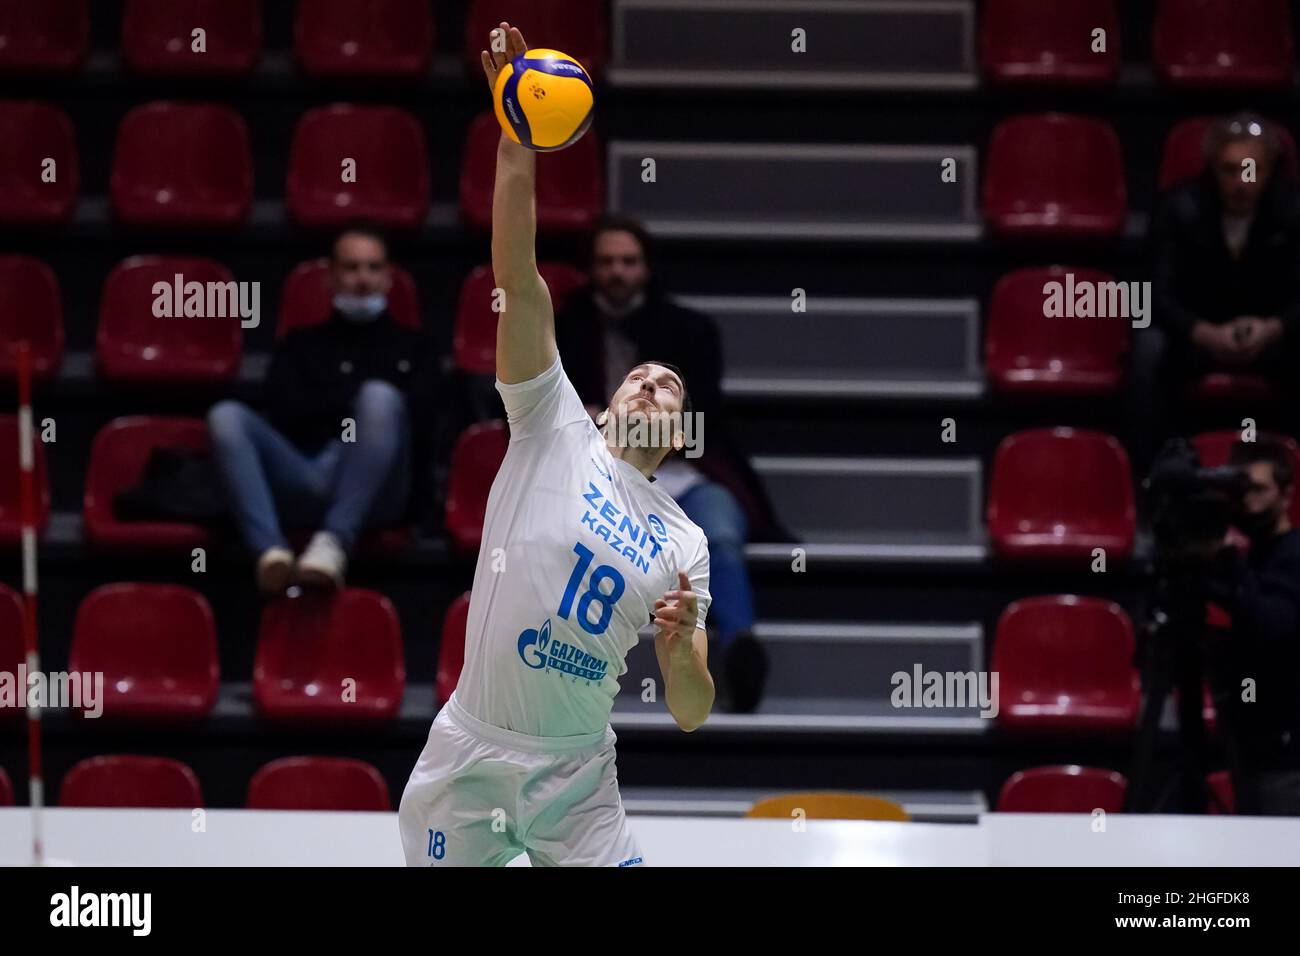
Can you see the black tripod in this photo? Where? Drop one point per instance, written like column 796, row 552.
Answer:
column 1172, row 654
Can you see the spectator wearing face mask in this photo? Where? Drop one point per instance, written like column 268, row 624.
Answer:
column 333, row 451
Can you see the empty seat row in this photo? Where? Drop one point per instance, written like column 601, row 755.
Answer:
column 342, row 784
column 1063, row 493
column 1195, row 43
column 1065, row 662
column 321, row 658
column 1075, row 789
column 130, row 781
column 345, row 162
column 351, row 38
column 1056, row 174
column 1055, row 494
column 134, row 345
column 1047, row 174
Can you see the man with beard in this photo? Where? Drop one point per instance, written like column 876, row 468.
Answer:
column 1261, row 590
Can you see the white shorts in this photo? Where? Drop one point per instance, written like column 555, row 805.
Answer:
column 481, row 795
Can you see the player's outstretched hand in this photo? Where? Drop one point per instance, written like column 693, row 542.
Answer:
column 494, row 61
column 676, row 613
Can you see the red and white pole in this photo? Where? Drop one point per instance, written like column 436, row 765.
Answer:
column 27, row 484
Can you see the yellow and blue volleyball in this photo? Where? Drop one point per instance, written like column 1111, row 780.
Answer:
column 543, row 100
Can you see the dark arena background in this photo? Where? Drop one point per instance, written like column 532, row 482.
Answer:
column 868, row 201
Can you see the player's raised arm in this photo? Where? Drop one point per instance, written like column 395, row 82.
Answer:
column 526, row 325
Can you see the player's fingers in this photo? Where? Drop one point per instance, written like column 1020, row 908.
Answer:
column 517, row 45
column 670, row 614
column 683, row 580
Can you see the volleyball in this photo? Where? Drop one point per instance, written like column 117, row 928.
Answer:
column 543, row 100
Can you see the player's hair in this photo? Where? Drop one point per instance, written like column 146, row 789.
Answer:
column 361, row 227
column 1269, row 449
column 613, row 223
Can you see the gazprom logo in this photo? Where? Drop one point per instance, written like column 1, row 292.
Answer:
column 532, row 645
column 657, row 527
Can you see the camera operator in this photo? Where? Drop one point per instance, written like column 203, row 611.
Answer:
column 1260, row 588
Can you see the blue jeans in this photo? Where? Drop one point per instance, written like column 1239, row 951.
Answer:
column 720, row 516
column 344, row 487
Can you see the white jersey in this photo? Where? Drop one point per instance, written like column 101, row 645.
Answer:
column 577, row 547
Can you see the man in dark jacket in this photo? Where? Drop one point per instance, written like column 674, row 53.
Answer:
column 604, row 330
column 1259, row 669
column 333, row 452
column 1227, row 276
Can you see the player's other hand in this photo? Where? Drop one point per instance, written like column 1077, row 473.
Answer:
column 677, row 612
column 494, row 61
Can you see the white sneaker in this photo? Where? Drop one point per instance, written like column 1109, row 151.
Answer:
column 274, row 569
column 323, row 562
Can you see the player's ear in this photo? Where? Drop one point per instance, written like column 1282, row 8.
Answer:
column 602, row 418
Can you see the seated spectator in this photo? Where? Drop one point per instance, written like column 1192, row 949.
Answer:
column 604, row 330
column 334, row 450
column 1227, row 277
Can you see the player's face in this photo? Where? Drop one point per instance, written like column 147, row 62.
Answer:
column 618, row 266
column 650, row 391
column 360, row 266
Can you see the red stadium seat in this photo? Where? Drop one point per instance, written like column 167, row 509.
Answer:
column 474, row 342
column 1028, row 353
column 157, row 36
column 1213, row 449
column 388, row 38
column 1055, row 175
column 6, row 790
column 135, row 345
column 570, row 183
column 1232, row 389
column 156, row 645
column 475, row 460
column 329, row 657
column 1184, row 153
column 1220, row 784
column 11, row 517
column 1225, row 43
column 392, row 167
column 204, row 178
column 31, row 310
column 12, row 652
column 1027, row 41
column 131, row 782
column 118, row 457
column 1066, row 664
column 307, row 296
column 575, row 27
column 451, row 648
column 1064, row 789
column 49, row 36
column 318, row 783
column 1060, row 493
column 32, row 134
